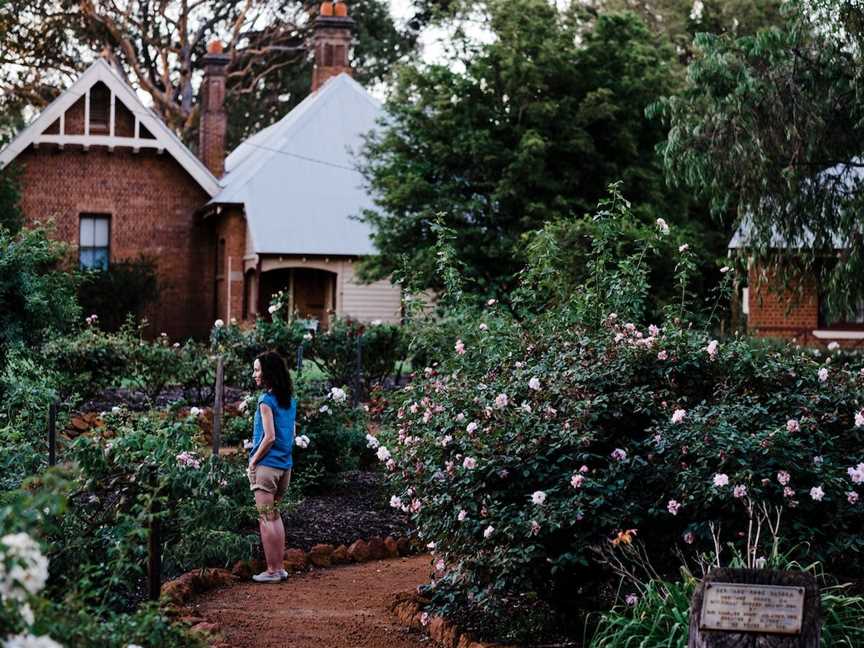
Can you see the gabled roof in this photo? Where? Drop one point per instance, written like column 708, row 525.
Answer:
column 163, row 138
column 298, row 179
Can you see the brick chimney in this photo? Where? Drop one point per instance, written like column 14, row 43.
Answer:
column 332, row 42
column 213, row 122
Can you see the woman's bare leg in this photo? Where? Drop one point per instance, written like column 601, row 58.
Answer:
column 272, row 530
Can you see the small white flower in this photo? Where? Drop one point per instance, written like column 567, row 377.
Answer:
column 679, row 415
column 324, row 409
column 662, row 226
column 793, row 426
column 491, row 302
column 462, row 515
column 683, row 248
column 739, row 491
column 534, row 383
column 273, row 308
column 501, row 401
column 307, row 337
column 115, row 410
column 247, row 444
column 618, row 454
column 673, row 506
column 487, row 533
column 816, row 493
column 483, row 327
column 218, row 323
column 301, row 441
column 538, row 498
column 372, row 442
column 424, row 619
column 631, row 599
column 577, row 480
column 383, row 454
column 338, row 395
column 460, row 347
column 725, row 269
column 833, row 346
column 859, row 419
column 823, row 374
column 721, row 479
column 195, row 411
column 472, row 427
column 396, row 501
column 470, row 463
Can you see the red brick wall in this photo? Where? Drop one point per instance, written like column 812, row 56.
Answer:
column 230, row 227
column 152, row 203
column 782, row 314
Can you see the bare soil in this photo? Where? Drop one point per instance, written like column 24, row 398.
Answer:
column 340, row 607
column 356, row 507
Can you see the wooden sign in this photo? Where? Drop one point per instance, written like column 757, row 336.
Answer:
column 755, row 608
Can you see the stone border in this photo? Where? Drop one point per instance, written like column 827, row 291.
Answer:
column 179, row 591
column 408, row 609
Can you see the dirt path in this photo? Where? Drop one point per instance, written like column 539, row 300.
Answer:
column 340, row 607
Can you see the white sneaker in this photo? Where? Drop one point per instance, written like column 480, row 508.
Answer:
column 268, row 577
column 283, row 574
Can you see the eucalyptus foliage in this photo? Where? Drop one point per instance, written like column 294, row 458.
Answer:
column 768, row 129
column 527, row 128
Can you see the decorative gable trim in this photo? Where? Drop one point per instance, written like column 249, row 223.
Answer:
column 163, row 138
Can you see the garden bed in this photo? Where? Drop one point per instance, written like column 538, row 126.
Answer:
column 355, row 508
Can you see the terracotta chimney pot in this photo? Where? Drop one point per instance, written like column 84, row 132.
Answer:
column 340, row 9
column 326, row 9
column 214, row 47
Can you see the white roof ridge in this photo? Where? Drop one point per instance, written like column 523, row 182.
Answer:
column 97, row 71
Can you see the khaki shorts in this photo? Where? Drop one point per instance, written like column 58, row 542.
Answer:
column 270, row 480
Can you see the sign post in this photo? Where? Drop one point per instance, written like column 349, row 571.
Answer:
column 752, row 608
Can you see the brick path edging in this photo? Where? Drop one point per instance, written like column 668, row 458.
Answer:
column 408, row 609
column 179, row 591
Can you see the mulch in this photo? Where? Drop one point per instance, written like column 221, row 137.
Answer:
column 357, row 507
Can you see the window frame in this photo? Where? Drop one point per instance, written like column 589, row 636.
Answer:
column 94, row 216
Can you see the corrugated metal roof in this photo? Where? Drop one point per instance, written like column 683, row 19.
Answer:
column 298, row 179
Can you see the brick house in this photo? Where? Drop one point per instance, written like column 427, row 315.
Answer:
column 795, row 313
column 224, row 233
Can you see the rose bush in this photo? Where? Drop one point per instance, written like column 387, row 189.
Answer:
column 538, row 440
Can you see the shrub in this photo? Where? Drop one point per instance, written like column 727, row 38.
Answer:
column 336, row 351
column 537, row 440
column 38, row 297
column 123, row 290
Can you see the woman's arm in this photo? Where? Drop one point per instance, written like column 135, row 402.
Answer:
column 269, row 435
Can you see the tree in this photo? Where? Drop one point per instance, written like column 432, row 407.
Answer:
column 531, row 130
column 769, row 128
column 159, row 44
column 681, row 20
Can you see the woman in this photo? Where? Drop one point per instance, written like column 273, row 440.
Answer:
column 270, row 457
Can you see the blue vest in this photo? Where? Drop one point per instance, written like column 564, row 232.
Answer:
column 279, row 454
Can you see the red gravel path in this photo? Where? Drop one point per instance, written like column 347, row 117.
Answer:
column 340, row 607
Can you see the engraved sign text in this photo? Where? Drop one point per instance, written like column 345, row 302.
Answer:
column 752, row 608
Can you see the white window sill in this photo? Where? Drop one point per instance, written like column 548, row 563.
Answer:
column 839, row 335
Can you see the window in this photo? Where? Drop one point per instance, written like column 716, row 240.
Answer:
column 94, row 248
column 100, row 108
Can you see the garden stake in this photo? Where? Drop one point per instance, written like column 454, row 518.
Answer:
column 217, row 405
column 358, row 372
column 52, row 434
column 300, row 359
column 154, row 544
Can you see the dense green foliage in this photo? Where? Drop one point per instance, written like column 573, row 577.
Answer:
column 767, row 129
column 121, row 291
column 536, row 442
column 37, row 299
column 525, row 129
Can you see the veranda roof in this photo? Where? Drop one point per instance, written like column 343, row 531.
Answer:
column 298, row 179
